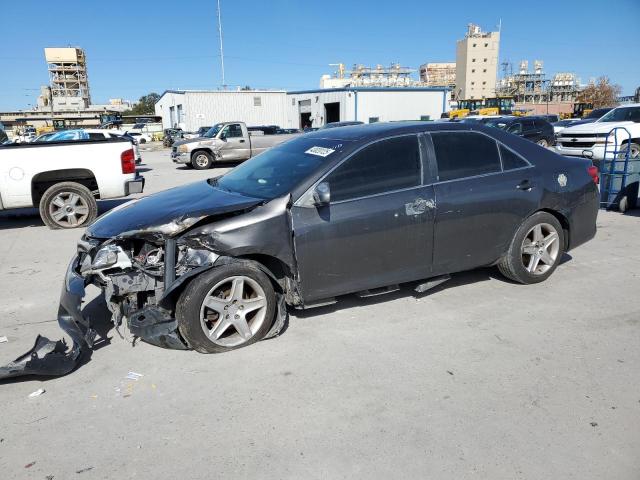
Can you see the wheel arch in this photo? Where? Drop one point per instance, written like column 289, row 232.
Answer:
column 564, row 222
column 43, row 180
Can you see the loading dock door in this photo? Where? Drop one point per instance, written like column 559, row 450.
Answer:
column 332, row 112
column 304, row 110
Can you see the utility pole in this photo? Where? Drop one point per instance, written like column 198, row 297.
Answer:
column 224, row 84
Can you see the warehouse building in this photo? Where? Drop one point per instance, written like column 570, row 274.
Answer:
column 315, row 108
column 192, row 109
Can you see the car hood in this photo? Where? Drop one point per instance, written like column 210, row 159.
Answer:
column 170, row 212
column 594, row 127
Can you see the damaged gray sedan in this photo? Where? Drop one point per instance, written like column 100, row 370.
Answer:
column 212, row 266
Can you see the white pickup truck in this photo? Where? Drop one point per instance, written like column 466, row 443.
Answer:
column 577, row 141
column 63, row 179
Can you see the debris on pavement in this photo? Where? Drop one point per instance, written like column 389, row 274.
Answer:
column 46, row 357
column 4, row 339
column 37, row 393
column 29, row 465
column 83, row 470
column 134, row 376
column 594, row 424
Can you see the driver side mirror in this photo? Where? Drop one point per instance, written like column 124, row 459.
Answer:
column 322, row 194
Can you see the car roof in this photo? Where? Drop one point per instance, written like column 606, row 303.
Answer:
column 383, row 129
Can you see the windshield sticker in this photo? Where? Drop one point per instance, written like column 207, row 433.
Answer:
column 320, row 151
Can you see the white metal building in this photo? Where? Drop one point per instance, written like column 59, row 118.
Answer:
column 366, row 104
column 192, row 109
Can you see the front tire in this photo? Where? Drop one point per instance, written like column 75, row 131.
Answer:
column 543, row 143
column 225, row 308
column 67, row 205
column 201, row 160
column 535, row 251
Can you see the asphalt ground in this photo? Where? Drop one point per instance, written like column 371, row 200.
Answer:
column 478, row 378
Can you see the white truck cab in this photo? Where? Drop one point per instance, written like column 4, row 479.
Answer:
column 578, row 140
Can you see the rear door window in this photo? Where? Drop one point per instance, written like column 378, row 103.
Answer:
column 465, row 154
column 527, row 125
column 384, row 166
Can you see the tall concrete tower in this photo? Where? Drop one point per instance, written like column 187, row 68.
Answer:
column 68, row 78
column 477, row 64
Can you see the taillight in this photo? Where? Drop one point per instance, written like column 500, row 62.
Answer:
column 593, row 173
column 128, row 161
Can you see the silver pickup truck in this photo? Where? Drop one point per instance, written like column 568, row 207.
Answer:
column 225, row 142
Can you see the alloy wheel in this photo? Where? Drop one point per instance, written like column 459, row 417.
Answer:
column 540, row 248
column 233, row 311
column 543, row 143
column 202, row 160
column 68, row 209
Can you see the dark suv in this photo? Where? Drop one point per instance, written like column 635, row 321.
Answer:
column 535, row 129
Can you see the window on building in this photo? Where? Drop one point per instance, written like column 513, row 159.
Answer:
column 474, row 44
column 473, row 83
column 257, row 101
column 465, row 154
column 485, row 60
column 486, row 45
column 473, row 59
column 484, row 83
column 385, row 166
column 473, row 70
column 511, row 160
column 484, row 70
column 374, row 119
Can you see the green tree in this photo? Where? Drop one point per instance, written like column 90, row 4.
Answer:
column 145, row 105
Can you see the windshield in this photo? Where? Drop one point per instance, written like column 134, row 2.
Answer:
column 622, row 114
column 213, row 131
column 278, row 170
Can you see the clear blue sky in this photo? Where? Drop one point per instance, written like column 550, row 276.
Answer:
column 139, row 46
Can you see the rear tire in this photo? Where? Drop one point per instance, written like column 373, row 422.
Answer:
column 67, row 205
column 201, row 160
column 535, row 251
column 225, row 308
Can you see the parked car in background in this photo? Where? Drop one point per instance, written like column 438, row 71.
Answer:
column 562, row 124
column 550, row 117
column 226, row 142
column 286, row 131
column 64, row 178
column 90, row 134
column 197, row 134
column 4, row 138
column 534, row 129
column 211, row 266
column 264, row 129
column 576, row 140
column 140, row 138
column 171, row 135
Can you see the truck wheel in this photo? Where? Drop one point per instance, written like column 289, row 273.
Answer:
column 201, row 160
column 67, row 205
column 225, row 308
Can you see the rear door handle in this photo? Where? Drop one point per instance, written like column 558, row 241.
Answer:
column 241, row 140
column 525, row 186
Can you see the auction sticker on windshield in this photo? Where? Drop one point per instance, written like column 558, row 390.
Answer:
column 320, row 151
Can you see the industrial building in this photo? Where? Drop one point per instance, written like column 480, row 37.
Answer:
column 438, row 74
column 68, row 79
column 315, row 108
column 363, row 76
column 192, row 109
column 477, row 64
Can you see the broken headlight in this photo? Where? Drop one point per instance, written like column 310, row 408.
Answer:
column 108, row 256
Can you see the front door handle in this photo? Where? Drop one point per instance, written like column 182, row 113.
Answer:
column 525, row 186
column 242, row 140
